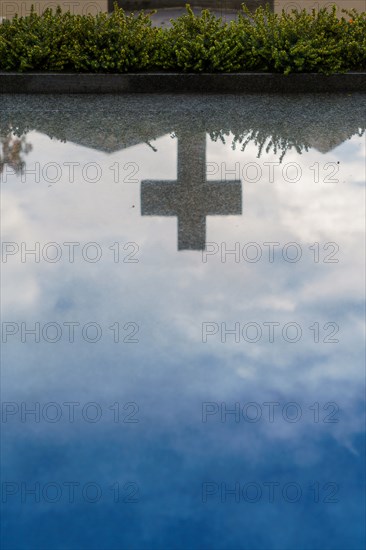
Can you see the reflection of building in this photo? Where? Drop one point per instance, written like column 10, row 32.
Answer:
column 325, row 143
column 191, row 198
column 109, row 124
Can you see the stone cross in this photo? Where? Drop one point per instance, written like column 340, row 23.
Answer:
column 191, row 198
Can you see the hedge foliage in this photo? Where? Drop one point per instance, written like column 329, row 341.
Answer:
column 118, row 42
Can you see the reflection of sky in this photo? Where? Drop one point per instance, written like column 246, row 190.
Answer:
column 170, row 452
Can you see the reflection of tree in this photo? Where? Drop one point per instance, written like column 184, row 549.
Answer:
column 277, row 124
column 12, row 149
column 264, row 142
column 277, row 143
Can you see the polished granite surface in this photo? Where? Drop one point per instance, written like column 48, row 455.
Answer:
column 183, row 311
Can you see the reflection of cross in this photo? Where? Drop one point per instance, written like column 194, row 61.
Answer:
column 191, row 198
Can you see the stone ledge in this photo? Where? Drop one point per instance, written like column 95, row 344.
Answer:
column 173, row 83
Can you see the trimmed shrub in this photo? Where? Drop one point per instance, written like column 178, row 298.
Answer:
column 115, row 43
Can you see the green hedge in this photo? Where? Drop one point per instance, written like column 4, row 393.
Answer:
column 117, row 42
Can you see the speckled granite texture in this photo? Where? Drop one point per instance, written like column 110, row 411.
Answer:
column 320, row 120
column 238, row 83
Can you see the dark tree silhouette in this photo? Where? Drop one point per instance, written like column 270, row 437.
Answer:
column 12, row 149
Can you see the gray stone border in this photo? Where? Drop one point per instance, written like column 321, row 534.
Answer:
column 234, row 83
